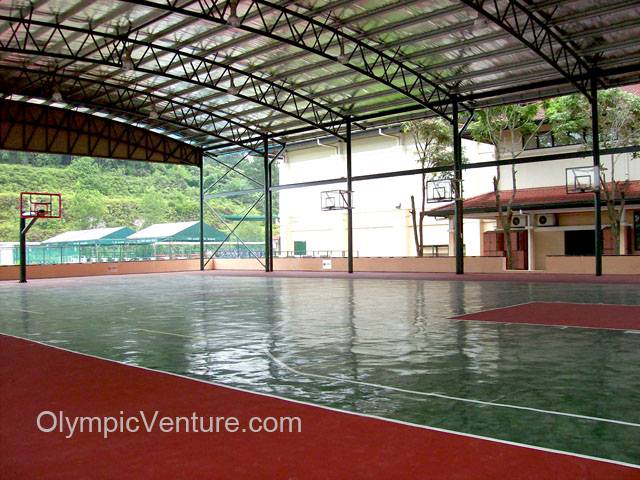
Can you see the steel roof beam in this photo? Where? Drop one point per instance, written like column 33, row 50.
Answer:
column 236, row 41
column 111, row 51
column 538, row 34
column 305, row 53
column 322, row 39
column 447, row 64
column 123, row 99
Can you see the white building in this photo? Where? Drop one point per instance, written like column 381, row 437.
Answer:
column 382, row 224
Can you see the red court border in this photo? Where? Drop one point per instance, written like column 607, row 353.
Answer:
column 563, row 314
column 333, row 444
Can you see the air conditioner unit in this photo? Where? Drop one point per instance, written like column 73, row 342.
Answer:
column 546, row 220
column 519, row 221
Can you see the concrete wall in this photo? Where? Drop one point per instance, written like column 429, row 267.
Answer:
column 371, row 264
column 92, row 269
column 546, row 243
column 621, row 265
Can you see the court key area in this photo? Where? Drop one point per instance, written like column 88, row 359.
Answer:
column 547, row 371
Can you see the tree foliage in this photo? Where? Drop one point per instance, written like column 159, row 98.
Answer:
column 433, row 139
column 509, row 128
column 619, row 125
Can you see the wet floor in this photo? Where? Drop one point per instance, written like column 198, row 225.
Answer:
column 348, row 339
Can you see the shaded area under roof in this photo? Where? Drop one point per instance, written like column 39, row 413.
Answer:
column 218, row 77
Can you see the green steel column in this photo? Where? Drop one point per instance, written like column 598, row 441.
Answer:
column 269, row 218
column 201, row 211
column 350, row 198
column 595, row 135
column 458, row 215
column 268, row 241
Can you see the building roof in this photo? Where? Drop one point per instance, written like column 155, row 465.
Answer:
column 94, row 235
column 635, row 89
column 161, row 230
column 218, row 74
column 555, row 197
column 176, row 232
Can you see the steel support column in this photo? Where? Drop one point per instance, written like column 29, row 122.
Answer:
column 457, row 165
column 24, row 228
column 268, row 235
column 23, row 251
column 350, row 198
column 201, row 210
column 597, row 203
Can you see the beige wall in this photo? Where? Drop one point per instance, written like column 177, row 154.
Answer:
column 91, row 269
column 622, row 265
column 371, row 264
column 547, row 243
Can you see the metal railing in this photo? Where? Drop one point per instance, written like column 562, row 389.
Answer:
column 55, row 255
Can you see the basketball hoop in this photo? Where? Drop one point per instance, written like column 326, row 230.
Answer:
column 35, row 205
column 40, row 205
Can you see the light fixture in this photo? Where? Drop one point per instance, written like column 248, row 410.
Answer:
column 56, row 95
column 232, row 90
column 233, row 19
column 127, row 61
column 342, row 58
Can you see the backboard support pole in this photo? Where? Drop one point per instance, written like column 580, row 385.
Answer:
column 457, row 164
column 349, row 196
column 595, row 135
column 24, row 228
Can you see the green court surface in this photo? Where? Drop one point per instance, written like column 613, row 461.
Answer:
column 380, row 347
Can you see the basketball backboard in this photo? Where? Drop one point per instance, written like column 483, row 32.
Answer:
column 583, row 179
column 40, row 205
column 442, row 190
column 336, row 200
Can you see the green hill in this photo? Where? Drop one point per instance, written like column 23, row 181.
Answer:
column 98, row 192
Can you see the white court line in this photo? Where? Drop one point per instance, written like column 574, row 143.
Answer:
column 425, row 394
column 22, row 310
column 169, row 333
column 450, row 397
column 552, row 325
column 332, row 409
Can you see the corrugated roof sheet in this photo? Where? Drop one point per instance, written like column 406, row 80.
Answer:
column 79, row 47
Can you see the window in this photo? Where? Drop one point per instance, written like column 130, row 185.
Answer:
column 579, row 242
column 548, row 140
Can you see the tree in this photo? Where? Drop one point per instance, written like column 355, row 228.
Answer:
column 509, row 128
column 86, row 209
column 432, row 139
column 619, row 124
column 153, row 207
